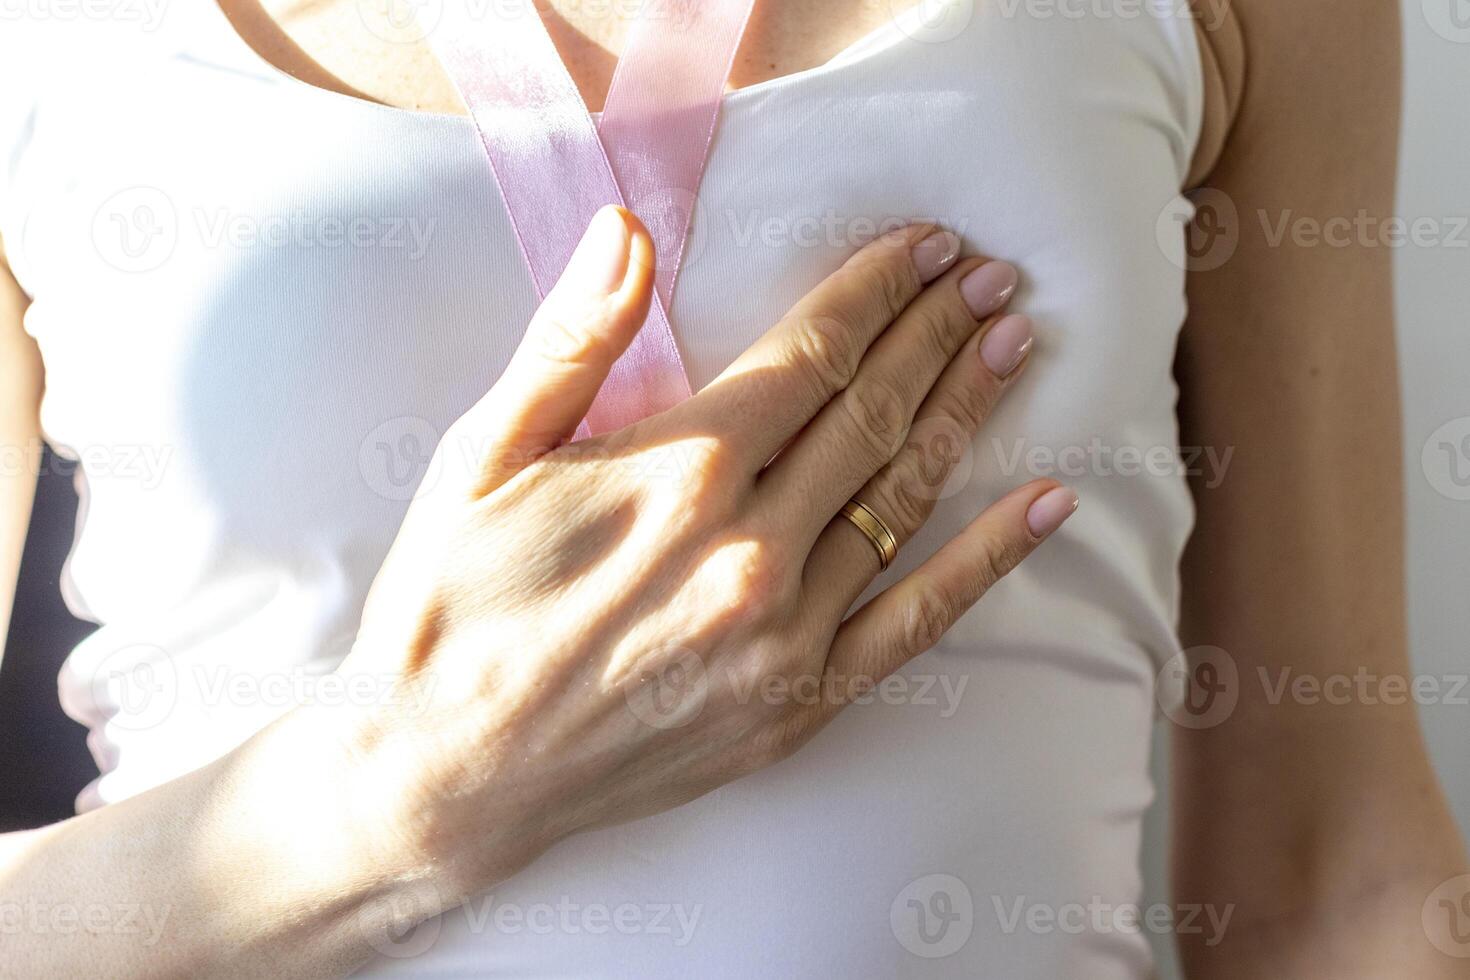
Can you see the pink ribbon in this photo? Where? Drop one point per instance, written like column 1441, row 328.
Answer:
column 553, row 170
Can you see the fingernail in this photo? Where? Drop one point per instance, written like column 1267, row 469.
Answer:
column 600, row 262
column 1048, row 511
column 935, row 254
column 1006, row 344
column 987, row 288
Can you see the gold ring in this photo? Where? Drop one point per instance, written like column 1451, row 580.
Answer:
column 874, row 529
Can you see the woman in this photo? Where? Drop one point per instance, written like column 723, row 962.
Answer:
column 260, row 247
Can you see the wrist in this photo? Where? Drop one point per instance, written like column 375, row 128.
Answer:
column 353, row 777
column 431, row 828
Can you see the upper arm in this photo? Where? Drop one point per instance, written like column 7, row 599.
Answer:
column 20, row 363
column 1288, row 353
column 20, row 397
column 1295, row 568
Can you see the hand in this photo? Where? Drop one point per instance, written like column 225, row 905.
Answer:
column 590, row 631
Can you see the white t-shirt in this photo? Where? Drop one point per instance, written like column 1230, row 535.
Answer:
column 260, row 303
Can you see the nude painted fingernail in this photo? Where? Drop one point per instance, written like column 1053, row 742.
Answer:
column 600, row 261
column 935, row 254
column 1005, row 346
column 987, row 288
column 1048, row 511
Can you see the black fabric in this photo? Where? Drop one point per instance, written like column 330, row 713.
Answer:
column 44, row 760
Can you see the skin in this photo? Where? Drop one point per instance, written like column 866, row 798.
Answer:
column 21, row 379
column 1323, row 823
column 1322, row 826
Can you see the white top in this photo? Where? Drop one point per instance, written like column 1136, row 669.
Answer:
column 259, row 302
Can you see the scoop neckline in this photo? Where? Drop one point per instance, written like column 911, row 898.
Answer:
column 870, row 45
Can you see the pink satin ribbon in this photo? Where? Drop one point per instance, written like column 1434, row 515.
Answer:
column 554, row 172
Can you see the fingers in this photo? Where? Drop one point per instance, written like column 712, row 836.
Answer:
column 796, row 367
column 912, row 616
column 584, row 325
column 904, row 492
column 864, row 427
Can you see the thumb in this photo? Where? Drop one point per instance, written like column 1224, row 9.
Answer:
column 585, row 324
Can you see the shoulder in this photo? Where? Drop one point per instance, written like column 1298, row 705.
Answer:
column 44, row 59
column 1303, row 71
column 1222, row 61
column 59, row 75
column 34, row 60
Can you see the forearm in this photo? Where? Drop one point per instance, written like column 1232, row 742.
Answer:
column 1312, row 813
column 269, row 862
column 1316, row 789
column 1312, row 809
column 1365, row 936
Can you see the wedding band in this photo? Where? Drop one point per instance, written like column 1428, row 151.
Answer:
column 874, row 529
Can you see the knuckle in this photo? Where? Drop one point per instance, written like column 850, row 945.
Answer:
column 783, row 737
column 927, row 617
column 879, row 413
column 902, row 499
column 695, row 482
column 564, row 339
column 705, row 471
column 971, row 403
column 759, row 686
column 883, row 282
column 939, row 328
column 935, row 446
column 752, row 580
column 998, row 556
column 825, row 348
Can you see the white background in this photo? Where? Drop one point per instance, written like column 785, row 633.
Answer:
column 1434, row 348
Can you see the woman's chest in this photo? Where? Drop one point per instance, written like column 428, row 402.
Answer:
column 303, row 270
